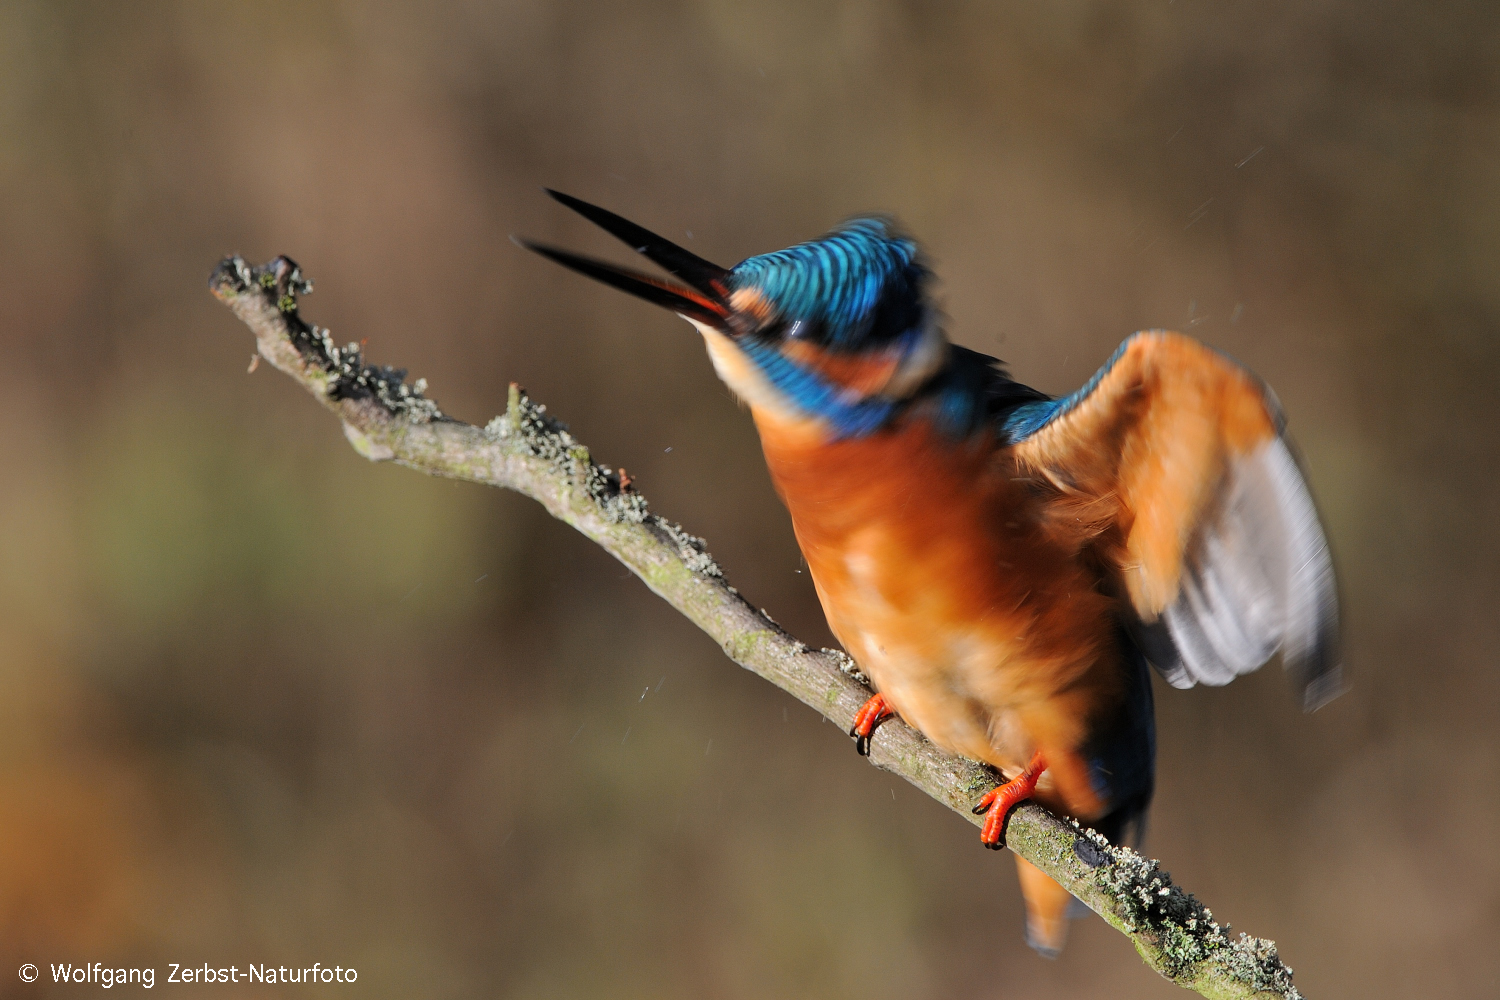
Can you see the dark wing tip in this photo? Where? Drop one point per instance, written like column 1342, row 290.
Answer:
column 1318, row 672
column 1322, row 689
column 1259, row 578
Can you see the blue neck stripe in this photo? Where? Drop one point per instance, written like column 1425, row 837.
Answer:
column 809, row 392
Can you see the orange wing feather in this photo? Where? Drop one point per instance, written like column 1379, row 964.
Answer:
column 1152, row 442
column 1174, row 468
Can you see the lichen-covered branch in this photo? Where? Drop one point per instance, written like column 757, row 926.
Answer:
column 529, row 451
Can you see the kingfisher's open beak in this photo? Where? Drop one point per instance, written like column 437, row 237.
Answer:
column 704, row 297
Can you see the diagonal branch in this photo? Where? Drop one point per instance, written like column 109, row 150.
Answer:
column 526, row 450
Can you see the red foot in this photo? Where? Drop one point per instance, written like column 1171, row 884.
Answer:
column 871, row 714
column 998, row 802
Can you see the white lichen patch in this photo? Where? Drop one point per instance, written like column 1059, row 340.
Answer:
column 528, row 423
column 692, row 549
column 546, row 437
column 1189, row 940
column 353, row 379
column 282, row 281
column 847, row 665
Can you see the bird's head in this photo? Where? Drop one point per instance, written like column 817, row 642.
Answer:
column 837, row 331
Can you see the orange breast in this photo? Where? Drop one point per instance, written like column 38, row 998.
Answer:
column 928, row 557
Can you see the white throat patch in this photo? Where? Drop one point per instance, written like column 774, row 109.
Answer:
column 744, row 379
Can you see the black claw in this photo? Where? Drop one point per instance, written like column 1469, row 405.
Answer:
column 862, row 745
column 980, row 810
column 998, row 845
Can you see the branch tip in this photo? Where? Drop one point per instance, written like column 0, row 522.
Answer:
column 254, row 293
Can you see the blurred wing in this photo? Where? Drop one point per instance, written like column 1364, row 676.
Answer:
column 1172, row 461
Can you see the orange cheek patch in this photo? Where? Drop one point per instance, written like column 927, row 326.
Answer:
column 863, row 375
column 753, row 304
column 860, row 374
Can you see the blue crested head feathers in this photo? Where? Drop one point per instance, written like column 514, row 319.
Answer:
column 861, row 286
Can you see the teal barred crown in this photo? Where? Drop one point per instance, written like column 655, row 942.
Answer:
column 860, row 286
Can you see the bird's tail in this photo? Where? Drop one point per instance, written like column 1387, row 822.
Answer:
column 1048, row 909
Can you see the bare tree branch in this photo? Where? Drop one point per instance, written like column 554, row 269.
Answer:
column 526, row 450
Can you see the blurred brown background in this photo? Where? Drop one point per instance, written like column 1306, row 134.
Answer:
column 262, row 701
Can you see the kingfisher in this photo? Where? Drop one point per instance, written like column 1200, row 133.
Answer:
column 1006, row 567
